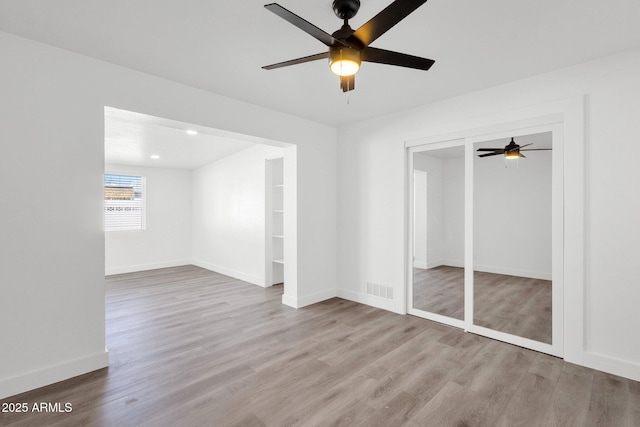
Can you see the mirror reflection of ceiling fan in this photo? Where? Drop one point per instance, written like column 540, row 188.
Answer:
column 510, row 151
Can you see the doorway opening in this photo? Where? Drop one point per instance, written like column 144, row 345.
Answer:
column 205, row 198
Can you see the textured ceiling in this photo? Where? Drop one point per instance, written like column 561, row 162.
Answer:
column 220, row 46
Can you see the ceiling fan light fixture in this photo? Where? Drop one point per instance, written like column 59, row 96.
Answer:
column 515, row 154
column 344, row 61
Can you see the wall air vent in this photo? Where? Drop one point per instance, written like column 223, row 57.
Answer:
column 381, row 291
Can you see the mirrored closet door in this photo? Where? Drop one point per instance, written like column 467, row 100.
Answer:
column 486, row 235
column 512, row 247
column 438, row 233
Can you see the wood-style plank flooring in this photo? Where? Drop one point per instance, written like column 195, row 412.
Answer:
column 516, row 305
column 439, row 290
column 189, row 347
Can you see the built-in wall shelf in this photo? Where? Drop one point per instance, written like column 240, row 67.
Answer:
column 275, row 221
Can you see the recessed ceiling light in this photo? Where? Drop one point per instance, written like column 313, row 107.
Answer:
column 192, row 132
column 154, row 156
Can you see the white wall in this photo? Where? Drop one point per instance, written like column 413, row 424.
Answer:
column 419, row 219
column 52, row 134
column 453, row 211
column 445, row 195
column 166, row 240
column 435, row 220
column 371, row 196
column 512, row 215
column 229, row 214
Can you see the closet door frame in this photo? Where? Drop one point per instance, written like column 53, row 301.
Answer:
column 565, row 119
column 410, row 309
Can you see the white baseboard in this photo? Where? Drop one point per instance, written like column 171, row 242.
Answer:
column 513, row 272
column 452, row 263
column 436, row 263
column 290, row 301
column 490, row 269
column 144, row 267
column 308, row 299
column 53, row 374
column 611, row 365
column 420, row 264
column 230, row 272
column 372, row 300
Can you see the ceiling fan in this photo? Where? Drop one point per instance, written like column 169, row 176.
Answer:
column 510, row 151
column 348, row 47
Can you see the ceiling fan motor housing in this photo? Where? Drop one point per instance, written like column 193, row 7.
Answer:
column 348, row 47
column 346, row 9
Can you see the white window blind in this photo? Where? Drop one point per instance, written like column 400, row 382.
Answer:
column 123, row 202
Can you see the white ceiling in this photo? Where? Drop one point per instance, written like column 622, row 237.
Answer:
column 132, row 138
column 220, row 46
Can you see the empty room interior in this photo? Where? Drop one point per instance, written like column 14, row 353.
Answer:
column 428, row 217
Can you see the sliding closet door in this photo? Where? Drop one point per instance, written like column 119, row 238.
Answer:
column 517, row 245
column 486, row 235
column 437, row 197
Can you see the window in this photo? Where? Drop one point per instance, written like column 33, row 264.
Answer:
column 123, row 202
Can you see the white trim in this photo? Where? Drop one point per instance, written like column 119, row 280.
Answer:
column 611, row 365
column 291, row 286
column 513, row 272
column 372, row 300
column 254, row 280
column 485, row 268
column 453, row 263
column 308, row 299
column 289, row 300
column 565, row 118
column 437, row 318
column 144, row 267
column 505, row 122
column 268, row 222
column 53, row 374
column 434, row 264
column 469, row 290
column 516, row 340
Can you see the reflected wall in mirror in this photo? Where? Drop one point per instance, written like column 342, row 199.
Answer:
column 512, row 238
column 438, row 240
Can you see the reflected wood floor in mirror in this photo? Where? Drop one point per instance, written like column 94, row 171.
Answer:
column 516, row 305
column 439, row 290
column 189, row 347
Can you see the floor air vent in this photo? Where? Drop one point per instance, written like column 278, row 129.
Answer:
column 379, row 290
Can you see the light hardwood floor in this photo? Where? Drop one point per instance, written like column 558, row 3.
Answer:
column 189, row 347
column 516, row 305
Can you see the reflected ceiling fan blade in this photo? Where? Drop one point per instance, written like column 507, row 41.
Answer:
column 490, row 154
column 525, row 145
column 382, row 56
column 538, row 149
column 490, row 149
column 304, row 25
column 302, row 60
column 387, row 18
